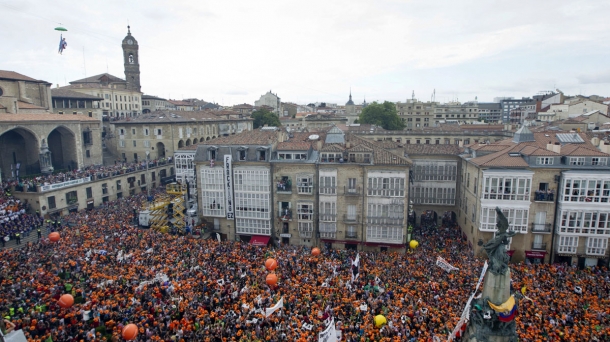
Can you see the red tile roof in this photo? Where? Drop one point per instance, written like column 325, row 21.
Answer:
column 44, row 117
column 11, row 75
column 25, row 105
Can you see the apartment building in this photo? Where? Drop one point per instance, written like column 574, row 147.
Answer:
column 303, row 188
column 553, row 187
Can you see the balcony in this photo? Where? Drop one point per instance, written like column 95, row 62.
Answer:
column 351, row 235
column 357, row 191
column 544, row 196
column 541, row 227
column 507, row 196
column 285, row 214
column 386, row 221
column 351, row 218
column 539, row 246
column 328, row 190
column 284, row 185
column 328, row 217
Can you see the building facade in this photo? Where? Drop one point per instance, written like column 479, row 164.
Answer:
column 271, row 100
column 523, row 177
column 152, row 103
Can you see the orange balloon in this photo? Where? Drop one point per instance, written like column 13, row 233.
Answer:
column 130, row 331
column 54, row 236
column 271, row 279
column 315, row 251
column 66, row 301
column 270, row 264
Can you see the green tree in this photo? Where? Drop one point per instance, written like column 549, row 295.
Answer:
column 382, row 114
column 262, row 117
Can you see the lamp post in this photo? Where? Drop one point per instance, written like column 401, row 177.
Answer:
column 147, row 185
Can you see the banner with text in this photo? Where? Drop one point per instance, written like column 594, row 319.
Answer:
column 329, row 334
column 228, row 179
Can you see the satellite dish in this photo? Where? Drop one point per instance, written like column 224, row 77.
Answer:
column 314, row 137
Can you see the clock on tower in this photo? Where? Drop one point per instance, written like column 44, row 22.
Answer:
column 131, row 61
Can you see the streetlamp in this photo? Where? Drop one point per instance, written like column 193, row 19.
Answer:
column 147, row 185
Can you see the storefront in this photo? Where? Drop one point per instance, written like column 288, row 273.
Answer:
column 535, row 257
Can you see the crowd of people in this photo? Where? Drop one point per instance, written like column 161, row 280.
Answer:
column 94, row 171
column 178, row 288
column 15, row 221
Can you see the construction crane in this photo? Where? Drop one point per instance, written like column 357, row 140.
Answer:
column 166, row 210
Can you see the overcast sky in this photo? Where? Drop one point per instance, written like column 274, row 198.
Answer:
column 305, row 51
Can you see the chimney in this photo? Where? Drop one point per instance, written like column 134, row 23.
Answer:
column 549, row 146
column 557, row 148
column 319, row 145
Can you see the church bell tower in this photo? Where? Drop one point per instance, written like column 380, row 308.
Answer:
column 131, row 61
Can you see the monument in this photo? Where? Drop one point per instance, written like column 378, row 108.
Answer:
column 492, row 314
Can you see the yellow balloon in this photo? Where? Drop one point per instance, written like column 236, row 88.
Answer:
column 380, row 321
column 413, row 244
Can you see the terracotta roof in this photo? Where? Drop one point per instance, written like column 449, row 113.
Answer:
column 332, row 148
column 152, row 97
column 44, row 117
column 25, row 105
column 179, row 116
column 11, row 75
column 243, row 106
column 380, row 155
column 360, row 148
column 179, row 103
column 500, row 158
column 293, row 146
column 581, row 150
column 70, row 94
column 446, row 149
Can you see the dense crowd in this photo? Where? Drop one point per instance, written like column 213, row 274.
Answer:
column 186, row 289
column 15, row 221
column 94, row 171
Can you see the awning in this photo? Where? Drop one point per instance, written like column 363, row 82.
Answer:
column 510, row 253
column 259, row 240
column 535, row 254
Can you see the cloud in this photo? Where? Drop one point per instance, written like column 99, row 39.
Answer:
column 594, row 78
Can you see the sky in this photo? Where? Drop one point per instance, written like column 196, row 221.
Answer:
column 232, row 52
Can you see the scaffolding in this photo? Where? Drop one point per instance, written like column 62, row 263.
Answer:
column 159, row 209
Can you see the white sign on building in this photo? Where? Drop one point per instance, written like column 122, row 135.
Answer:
column 229, row 187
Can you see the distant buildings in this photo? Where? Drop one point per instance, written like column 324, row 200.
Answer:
column 271, row 100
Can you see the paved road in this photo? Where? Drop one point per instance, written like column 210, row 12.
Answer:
column 24, row 240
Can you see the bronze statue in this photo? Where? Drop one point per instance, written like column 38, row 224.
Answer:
column 496, row 247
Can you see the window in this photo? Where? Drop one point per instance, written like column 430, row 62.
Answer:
column 386, row 186
column 242, row 155
column 158, row 132
column 212, row 154
column 544, row 161
column 133, row 131
column 146, row 132
column 118, row 185
column 599, row 161
column 51, row 202
column 89, row 192
column 585, row 222
column 253, row 227
column 351, row 212
column 577, row 161
column 351, row 185
column 305, row 229
column 328, row 185
column 305, row 184
column 121, row 143
column 328, row 211
column 507, row 188
column 88, row 153
column 71, row 197
column 262, row 155
column 583, row 190
column 568, row 244
column 284, row 184
column 517, row 219
column 87, row 138
column 305, row 211
column 351, row 232
column 597, row 246
column 134, row 143
column 284, row 210
column 213, row 192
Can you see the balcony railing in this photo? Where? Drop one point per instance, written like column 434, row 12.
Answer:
column 541, row 246
column 352, row 191
column 284, row 185
column 351, row 218
column 351, row 235
column 394, row 221
column 328, row 217
column 328, row 190
column 544, row 196
column 507, row 196
column 541, row 227
column 285, row 214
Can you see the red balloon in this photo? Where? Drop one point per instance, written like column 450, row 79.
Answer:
column 54, row 236
column 315, row 251
column 270, row 264
column 66, row 301
column 130, row 331
column 271, row 279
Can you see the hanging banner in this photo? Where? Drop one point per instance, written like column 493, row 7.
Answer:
column 228, row 179
column 466, row 313
column 329, row 334
column 442, row 263
column 277, row 306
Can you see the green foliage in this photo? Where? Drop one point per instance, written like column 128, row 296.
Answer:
column 262, row 117
column 382, row 114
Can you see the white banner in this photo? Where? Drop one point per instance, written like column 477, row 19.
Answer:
column 329, row 334
column 65, row 184
column 442, row 263
column 466, row 313
column 228, row 178
column 277, row 306
column 15, row 336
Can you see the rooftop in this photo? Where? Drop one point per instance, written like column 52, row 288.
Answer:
column 36, row 117
column 428, row 149
column 105, row 77
column 70, row 94
column 169, row 116
column 11, row 75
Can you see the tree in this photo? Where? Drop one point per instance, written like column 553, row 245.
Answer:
column 382, row 114
column 262, row 117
